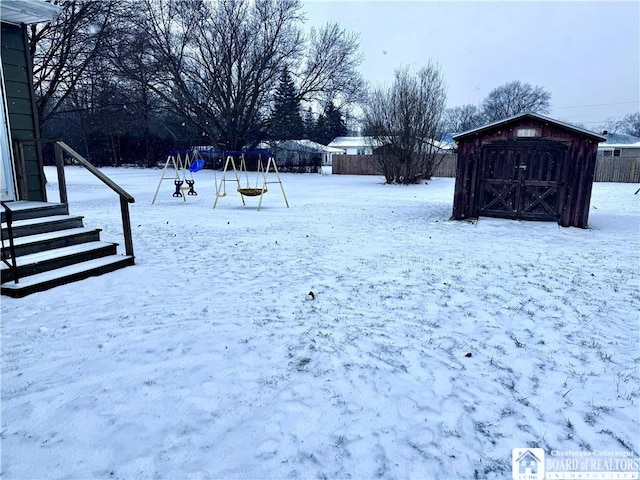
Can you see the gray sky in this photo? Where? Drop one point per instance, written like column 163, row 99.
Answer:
column 587, row 54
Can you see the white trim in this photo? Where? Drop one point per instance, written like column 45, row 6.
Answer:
column 8, row 181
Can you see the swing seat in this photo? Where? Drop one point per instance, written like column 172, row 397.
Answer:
column 252, row 192
column 196, row 166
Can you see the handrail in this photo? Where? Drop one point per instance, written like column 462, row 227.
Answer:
column 86, row 164
column 125, row 197
column 12, row 248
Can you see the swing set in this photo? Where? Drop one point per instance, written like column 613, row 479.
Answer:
column 248, row 190
column 183, row 163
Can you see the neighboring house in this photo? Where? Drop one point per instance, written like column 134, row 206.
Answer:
column 290, row 149
column 619, row 145
column 355, row 145
column 18, row 115
column 619, row 150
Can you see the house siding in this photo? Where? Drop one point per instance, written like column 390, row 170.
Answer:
column 23, row 118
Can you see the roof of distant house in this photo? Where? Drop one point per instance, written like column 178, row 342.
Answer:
column 304, row 144
column 353, row 142
column 618, row 145
column 620, row 138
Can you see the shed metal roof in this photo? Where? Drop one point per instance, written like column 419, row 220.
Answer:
column 536, row 116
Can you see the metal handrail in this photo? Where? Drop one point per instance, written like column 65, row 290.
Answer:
column 125, row 197
column 12, row 248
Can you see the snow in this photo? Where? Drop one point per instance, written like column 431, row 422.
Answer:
column 208, row 359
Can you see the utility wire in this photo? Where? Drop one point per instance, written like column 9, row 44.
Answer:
column 597, row 105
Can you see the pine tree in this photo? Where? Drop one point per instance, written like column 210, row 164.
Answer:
column 286, row 122
column 330, row 125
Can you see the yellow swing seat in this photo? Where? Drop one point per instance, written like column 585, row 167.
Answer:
column 252, row 192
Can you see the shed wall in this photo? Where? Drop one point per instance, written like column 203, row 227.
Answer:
column 575, row 181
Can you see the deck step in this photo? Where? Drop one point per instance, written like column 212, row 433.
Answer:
column 52, row 240
column 62, row 276
column 40, row 262
column 34, row 226
column 24, row 209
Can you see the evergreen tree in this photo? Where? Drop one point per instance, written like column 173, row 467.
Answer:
column 330, row 125
column 286, row 121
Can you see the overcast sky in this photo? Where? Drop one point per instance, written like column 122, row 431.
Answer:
column 587, row 54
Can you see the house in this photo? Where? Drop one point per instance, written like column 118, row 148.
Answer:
column 42, row 245
column 293, row 150
column 527, row 463
column 619, row 145
column 355, row 145
column 526, row 167
column 18, row 117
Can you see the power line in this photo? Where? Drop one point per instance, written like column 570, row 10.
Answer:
column 597, row 105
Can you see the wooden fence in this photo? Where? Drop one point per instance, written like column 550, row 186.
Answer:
column 368, row 165
column 617, row 169
column 608, row 169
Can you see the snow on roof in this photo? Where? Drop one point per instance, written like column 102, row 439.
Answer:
column 532, row 115
column 618, row 145
column 305, row 144
column 27, row 11
column 353, row 142
column 620, row 138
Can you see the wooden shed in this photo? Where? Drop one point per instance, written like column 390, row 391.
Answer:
column 526, row 167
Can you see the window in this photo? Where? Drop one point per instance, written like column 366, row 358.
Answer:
column 616, row 152
column 526, row 132
column 361, row 151
column 607, row 153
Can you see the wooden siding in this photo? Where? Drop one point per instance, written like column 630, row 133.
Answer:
column 23, row 120
column 574, row 181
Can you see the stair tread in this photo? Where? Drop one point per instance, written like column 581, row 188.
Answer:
column 33, row 258
column 41, row 278
column 41, row 220
column 41, row 237
column 22, row 205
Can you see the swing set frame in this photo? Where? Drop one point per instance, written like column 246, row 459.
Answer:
column 182, row 162
column 238, row 171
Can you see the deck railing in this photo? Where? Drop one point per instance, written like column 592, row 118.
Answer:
column 60, row 149
column 125, row 198
column 12, row 249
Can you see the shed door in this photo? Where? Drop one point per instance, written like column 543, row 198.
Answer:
column 520, row 179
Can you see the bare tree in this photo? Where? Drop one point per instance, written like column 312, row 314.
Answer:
column 630, row 124
column 514, row 98
column 221, row 62
column 461, row 119
column 63, row 49
column 406, row 119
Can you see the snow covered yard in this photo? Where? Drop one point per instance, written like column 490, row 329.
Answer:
column 432, row 348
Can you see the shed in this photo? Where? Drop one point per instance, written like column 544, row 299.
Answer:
column 526, row 167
